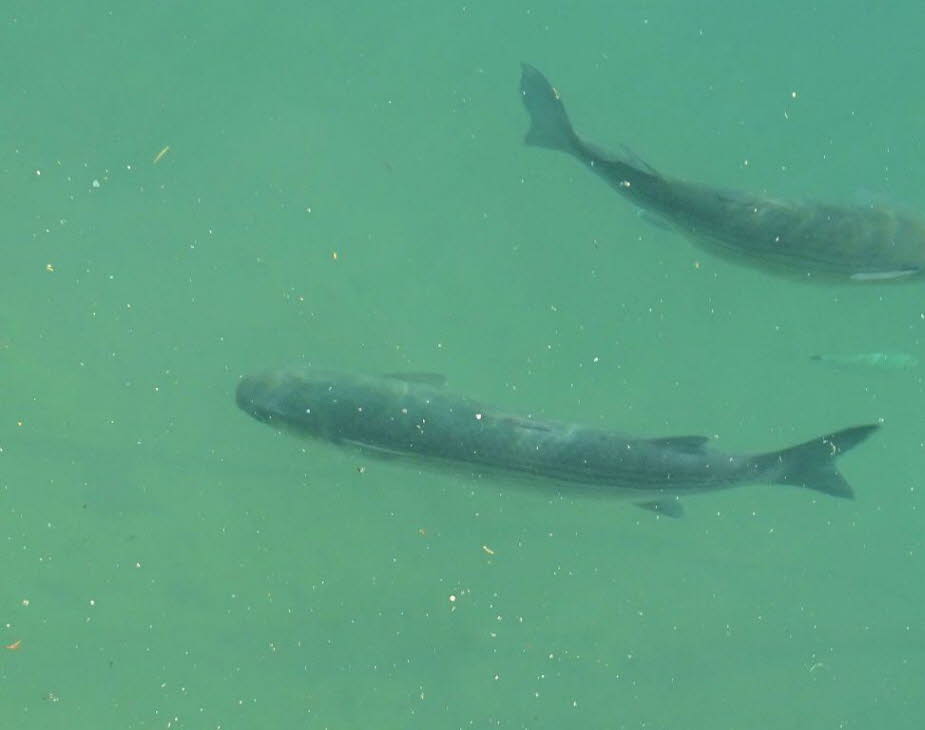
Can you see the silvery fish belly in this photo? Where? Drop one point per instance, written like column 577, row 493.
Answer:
column 411, row 418
column 805, row 241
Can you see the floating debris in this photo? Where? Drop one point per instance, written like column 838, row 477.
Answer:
column 160, row 155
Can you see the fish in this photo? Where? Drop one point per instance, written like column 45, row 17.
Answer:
column 414, row 420
column 816, row 242
column 868, row 360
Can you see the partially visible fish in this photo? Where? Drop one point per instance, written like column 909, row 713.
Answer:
column 869, row 360
column 806, row 241
column 412, row 420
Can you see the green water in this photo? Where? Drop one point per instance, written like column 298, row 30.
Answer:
column 346, row 186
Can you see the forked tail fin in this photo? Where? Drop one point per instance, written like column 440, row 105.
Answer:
column 549, row 124
column 812, row 464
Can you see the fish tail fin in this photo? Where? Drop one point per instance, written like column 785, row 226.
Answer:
column 551, row 128
column 549, row 123
column 812, row 464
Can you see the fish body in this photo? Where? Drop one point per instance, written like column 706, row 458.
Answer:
column 427, row 425
column 869, row 360
column 800, row 240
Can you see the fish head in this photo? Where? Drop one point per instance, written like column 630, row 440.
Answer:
column 286, row 400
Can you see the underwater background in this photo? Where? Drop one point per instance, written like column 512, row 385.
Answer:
column 192, row 192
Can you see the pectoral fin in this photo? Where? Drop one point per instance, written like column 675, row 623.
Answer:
column 670, row 507
column 883, row 275
column 435, row 380
column 377, row 452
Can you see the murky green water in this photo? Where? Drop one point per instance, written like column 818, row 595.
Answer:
column 347, row 187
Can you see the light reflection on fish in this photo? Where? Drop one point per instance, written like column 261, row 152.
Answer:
column 800, row 240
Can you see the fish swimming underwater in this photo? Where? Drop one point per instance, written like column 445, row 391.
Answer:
column 411, row 419
column 815, row 242
column 868, row 360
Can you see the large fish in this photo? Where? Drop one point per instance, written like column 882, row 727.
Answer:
column 806, row 241
column 410, row 418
